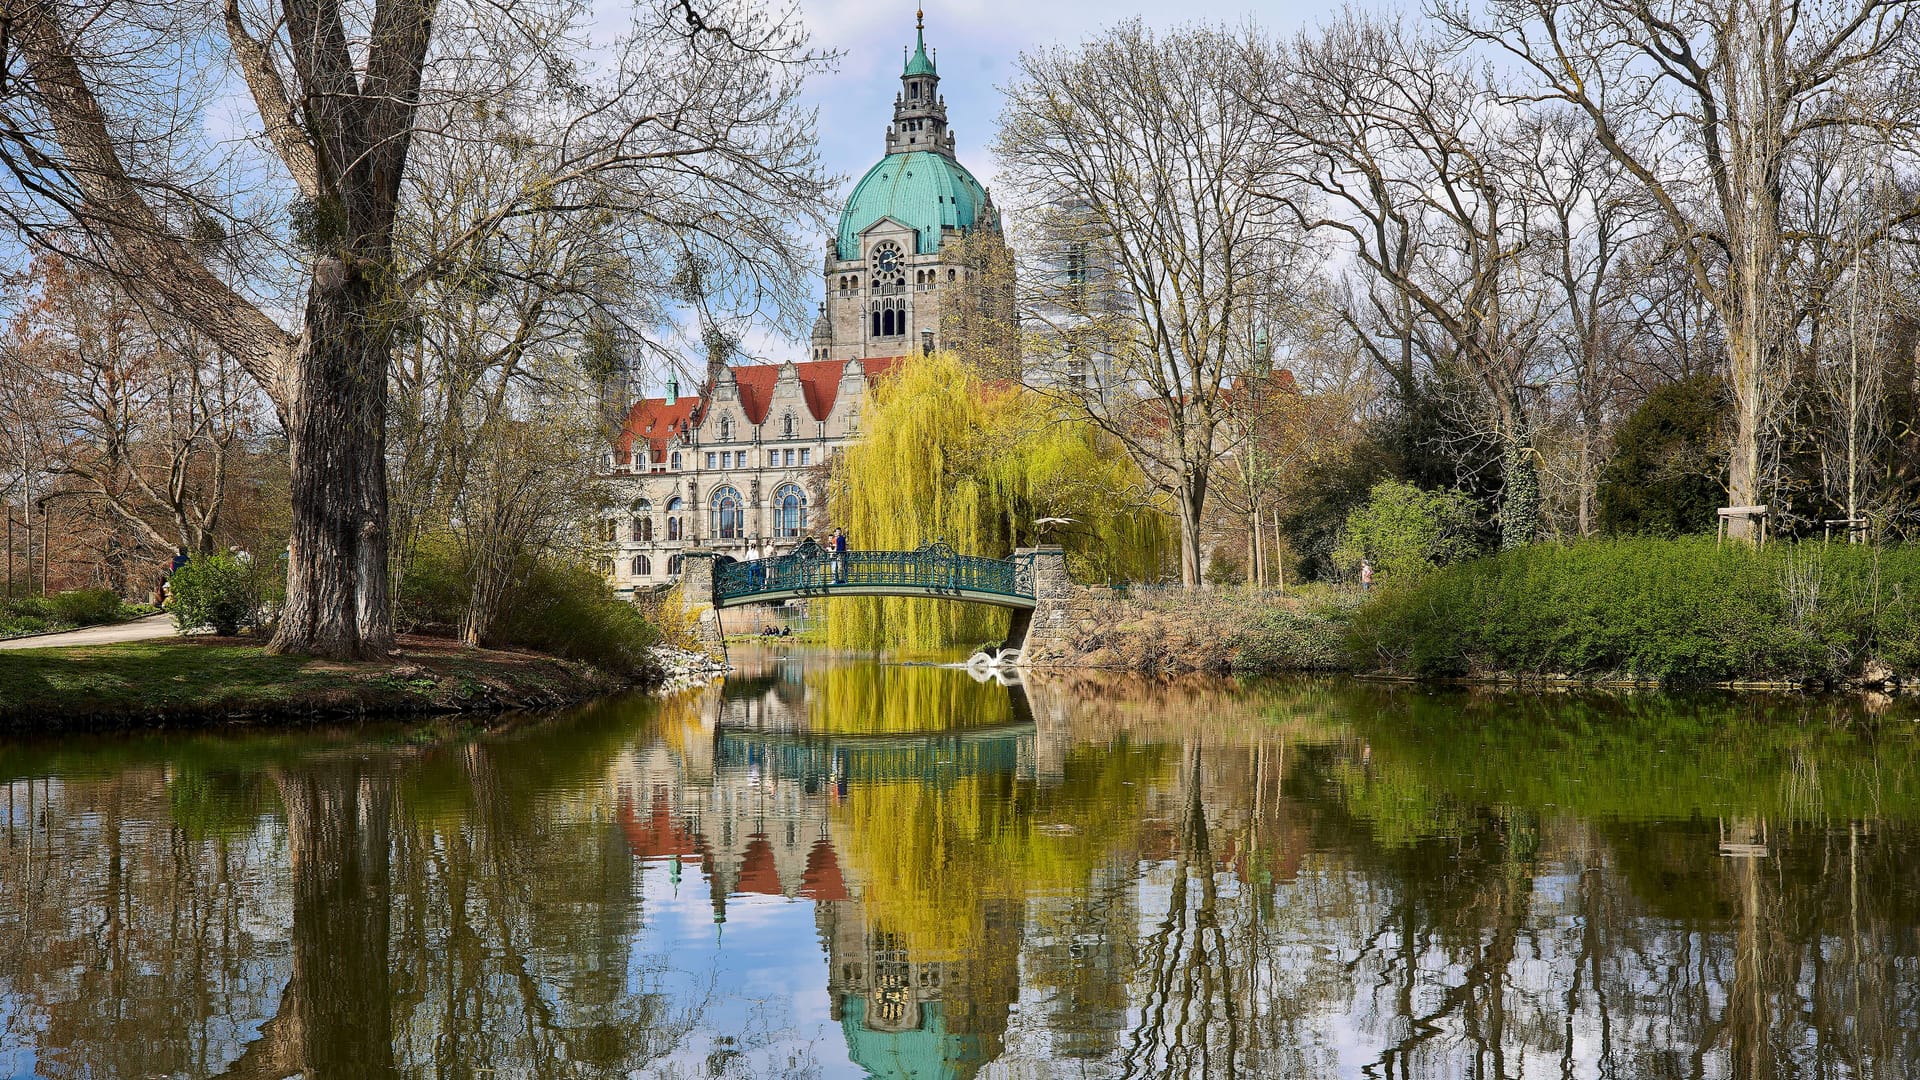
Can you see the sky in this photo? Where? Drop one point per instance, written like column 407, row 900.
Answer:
column 978, row 43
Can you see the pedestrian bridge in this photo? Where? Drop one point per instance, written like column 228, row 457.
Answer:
column 935, row 570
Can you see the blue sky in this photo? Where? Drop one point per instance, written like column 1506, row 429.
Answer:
column 978, row 42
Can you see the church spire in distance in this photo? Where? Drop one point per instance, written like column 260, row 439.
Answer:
column 919, row 114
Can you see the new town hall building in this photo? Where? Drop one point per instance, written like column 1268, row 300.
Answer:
column 740, row 466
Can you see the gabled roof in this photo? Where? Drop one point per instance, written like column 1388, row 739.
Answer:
column 654, row 422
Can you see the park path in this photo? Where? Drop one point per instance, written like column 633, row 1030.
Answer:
column 153, row 626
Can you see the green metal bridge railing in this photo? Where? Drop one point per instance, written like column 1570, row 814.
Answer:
column 812, row 570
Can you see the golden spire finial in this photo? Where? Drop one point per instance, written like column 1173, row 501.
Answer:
column 919, row 18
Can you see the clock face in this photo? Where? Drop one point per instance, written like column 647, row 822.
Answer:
column 887, row 260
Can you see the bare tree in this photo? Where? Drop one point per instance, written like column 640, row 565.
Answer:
column 1135, row 159
column 138, row 417
column 1406, row 155
column 339, row 91
column 1707, row 105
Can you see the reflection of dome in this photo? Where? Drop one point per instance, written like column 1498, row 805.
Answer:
column 926, row 1052
column 922, row 190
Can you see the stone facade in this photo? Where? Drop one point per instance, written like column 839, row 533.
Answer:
column 740, row 469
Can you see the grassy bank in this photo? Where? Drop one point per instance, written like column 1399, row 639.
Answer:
column 1677, row 611
column 233, row 680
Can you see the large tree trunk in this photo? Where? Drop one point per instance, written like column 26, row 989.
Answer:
column 336, row 433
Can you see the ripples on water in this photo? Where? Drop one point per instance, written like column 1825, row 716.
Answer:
column 843, row 869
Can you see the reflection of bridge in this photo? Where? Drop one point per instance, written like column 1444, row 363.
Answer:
column 935, row 570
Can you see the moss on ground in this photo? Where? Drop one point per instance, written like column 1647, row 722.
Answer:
column 220, row 680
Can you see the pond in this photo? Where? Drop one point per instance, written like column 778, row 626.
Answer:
column 840, row 868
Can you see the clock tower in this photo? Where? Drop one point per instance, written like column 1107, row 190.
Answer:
column 895, row 260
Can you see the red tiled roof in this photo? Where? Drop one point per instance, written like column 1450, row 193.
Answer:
column 656, row 421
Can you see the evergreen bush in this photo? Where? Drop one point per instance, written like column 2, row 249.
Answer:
column 1676, row 610
column 215, row 591
column 86, row 607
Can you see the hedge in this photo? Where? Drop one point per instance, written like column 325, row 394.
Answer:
column 1681, row 610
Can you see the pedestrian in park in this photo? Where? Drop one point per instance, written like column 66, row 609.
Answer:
column 839, row 556
column 1366, row 576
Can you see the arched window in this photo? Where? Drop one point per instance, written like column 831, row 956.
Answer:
column 642, row 520
column 673, row 565
column 641, row 567
column 789, row 511
column 888, row 327
column 674, row 462
column 876, row 320
column 728, row 513
column 674, row 506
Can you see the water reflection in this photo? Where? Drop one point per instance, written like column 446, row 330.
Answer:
column 845, row 869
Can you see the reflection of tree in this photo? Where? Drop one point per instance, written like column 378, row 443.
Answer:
column 447, row 910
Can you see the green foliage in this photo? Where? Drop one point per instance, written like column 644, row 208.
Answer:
column 217, row 591
column 1278, row 639
column 948, row 456
column 570, row 611
column 431, row 596
column 1406, row 531
column 86, row 607
column 1676, row 610
column 1669, row 457
column 23, row 615
column 554, row 607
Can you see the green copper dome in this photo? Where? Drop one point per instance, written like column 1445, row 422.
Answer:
column 925, row 191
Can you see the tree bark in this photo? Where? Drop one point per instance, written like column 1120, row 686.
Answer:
column 337, row 591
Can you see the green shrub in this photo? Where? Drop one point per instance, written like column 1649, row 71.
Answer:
column 432, row 594
column 86, row 607
column 570, row 611
column 214, row 590
column 1277, row 639
column 1676, row 610
column 555, row 608
column 1406, row 531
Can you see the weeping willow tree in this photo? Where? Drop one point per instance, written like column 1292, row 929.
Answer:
column 950, row 456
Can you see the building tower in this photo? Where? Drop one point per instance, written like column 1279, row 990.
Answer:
column 896, row 256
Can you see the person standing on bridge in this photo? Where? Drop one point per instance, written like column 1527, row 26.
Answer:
column 839, row 556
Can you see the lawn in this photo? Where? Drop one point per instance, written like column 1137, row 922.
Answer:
column 161, row 683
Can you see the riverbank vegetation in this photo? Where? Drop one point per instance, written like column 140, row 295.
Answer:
column 949, row 455
column 1686, row 610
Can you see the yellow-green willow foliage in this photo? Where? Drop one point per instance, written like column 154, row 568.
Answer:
column 869, row 699
column 946, row 455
